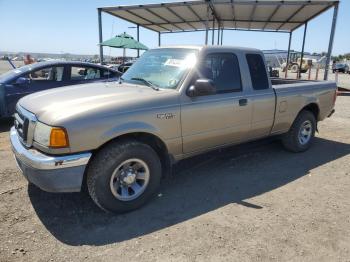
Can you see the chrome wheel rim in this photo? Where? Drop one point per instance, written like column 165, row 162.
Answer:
column 130, row 179
column 305, row 132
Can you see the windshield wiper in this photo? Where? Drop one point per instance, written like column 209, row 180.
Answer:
column 148, row 83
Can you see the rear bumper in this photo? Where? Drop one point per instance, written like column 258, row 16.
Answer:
column 50, row 173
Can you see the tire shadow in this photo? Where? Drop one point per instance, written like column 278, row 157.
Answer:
column 199, row 185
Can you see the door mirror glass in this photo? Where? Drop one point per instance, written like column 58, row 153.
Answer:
column 21, row 81
column 202, row 87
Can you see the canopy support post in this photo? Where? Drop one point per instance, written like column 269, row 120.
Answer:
column 212, row 34
column 219, row 29
column 288, row 54
column 222, row 34
column 207, row 26
column 100, row 38
column 302, row 51
column 159, row 39
column 331, row 40
column 138, row 38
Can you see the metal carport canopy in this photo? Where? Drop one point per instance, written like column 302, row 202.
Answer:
column 261, row 15
column 281, row 16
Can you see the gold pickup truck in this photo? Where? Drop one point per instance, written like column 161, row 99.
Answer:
column 119, row 138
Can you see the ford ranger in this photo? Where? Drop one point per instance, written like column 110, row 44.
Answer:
column 117, row 139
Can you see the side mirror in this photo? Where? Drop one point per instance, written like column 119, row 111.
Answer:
column 22, row 81
column 202, row 87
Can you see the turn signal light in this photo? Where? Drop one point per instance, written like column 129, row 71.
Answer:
column 58, row 137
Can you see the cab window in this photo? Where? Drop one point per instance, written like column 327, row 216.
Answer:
column 257, row 71
column 223, row 69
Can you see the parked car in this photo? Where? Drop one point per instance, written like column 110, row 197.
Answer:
column 36, row 77
column 342, row 67
column 173, row 103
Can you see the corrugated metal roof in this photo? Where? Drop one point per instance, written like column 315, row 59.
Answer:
column 266, row 15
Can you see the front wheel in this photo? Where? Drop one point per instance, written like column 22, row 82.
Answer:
column 123, row 176
column 300, row 136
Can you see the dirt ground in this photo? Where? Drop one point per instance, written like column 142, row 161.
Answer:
column 254, row 202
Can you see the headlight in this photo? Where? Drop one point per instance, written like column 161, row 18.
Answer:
column 55, row 137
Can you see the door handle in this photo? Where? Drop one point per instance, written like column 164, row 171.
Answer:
column 243, row 102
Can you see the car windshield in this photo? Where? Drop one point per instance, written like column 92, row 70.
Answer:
column 13, row 73
column 161, row 68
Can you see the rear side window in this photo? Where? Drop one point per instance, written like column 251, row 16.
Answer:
column 107, row 74
column 257, row 71
column 84, row 73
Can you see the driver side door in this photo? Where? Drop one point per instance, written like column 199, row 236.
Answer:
column 222, row 118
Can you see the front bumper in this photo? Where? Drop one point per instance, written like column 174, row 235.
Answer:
column 50, row 173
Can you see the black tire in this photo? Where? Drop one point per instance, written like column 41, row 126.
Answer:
column 103, row 164
column 294, row 68
column 291, row 139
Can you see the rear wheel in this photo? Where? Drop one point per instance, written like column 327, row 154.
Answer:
column 123, row 176
column 300, row 136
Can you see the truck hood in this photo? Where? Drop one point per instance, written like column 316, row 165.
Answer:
column 59, row 105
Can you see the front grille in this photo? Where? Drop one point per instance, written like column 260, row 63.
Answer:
column 25, row 122
column 21, row 125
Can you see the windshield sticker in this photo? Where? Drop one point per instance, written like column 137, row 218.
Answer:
column 172, row 82
column 188, row 62
column 174, row 62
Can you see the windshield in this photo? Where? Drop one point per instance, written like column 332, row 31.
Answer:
column 162, row 68
column 12, row 73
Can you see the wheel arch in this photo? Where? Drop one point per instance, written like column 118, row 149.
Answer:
column 313, row 108
column 154, row 141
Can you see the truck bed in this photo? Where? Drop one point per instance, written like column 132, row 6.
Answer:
column 281, row 81
column 293, row 94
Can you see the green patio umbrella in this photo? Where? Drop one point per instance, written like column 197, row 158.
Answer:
column 124, row 41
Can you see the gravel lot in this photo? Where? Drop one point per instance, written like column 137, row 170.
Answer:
column 254, row 202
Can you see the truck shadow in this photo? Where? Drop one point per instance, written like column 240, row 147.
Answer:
column 199, row 185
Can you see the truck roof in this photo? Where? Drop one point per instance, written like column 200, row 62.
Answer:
column 200, row 47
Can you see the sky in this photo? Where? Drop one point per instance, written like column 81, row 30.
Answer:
column 71, row 27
